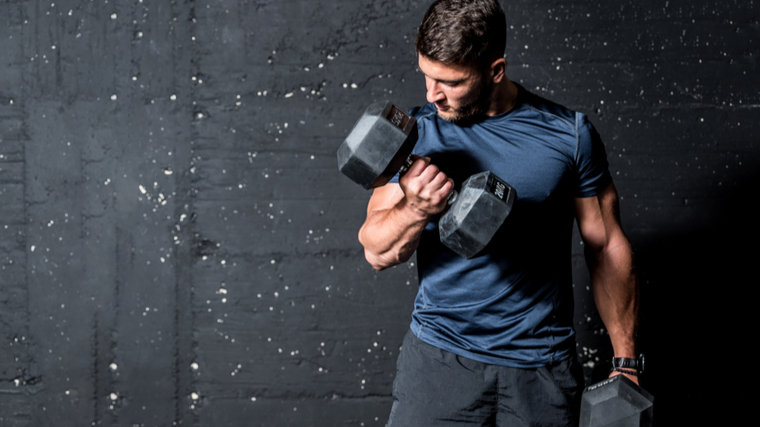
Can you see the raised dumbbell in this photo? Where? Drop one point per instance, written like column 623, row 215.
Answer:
column 377, row 148
column 616, row 402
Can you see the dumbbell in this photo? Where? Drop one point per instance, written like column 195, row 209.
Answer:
column 616, row 402
column 378, row 147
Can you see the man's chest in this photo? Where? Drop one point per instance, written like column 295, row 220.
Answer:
column 537, row 165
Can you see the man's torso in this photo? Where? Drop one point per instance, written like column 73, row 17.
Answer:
column 513, row 305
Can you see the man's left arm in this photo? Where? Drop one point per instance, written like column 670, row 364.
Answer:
column 609, row 257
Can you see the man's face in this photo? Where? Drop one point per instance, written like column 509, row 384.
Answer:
column 459, row 92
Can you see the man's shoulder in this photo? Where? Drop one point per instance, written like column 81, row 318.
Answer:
column 531, row 103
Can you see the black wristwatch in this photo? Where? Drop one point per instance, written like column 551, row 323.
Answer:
column 628, row 366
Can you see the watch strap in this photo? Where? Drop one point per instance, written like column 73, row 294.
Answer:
column 629, row 363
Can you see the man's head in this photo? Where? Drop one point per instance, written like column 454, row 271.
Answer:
column 463, row 32
column 461, row 45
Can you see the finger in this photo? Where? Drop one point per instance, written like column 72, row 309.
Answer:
column 448, row 186
column 418, row 165
column 438, row 181
column 633, row 378
column 437, row 191
column 445, row 190
column 429, row 173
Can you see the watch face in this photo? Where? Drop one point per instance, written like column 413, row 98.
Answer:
column 641, row 362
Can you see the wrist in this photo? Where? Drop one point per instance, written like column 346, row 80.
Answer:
column 412, row 213
column 629, row 365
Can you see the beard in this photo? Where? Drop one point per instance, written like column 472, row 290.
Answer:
column 474, row 106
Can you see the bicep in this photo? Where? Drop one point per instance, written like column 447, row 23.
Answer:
column 599, row 218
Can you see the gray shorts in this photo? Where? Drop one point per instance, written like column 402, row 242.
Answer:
column 434, row 387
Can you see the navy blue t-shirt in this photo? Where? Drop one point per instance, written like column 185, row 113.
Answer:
column 512, row 306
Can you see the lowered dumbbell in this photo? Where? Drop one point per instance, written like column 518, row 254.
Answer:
column 378, row 147
column 616, row 402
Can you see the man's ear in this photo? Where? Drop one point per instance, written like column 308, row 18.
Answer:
column 498, row 70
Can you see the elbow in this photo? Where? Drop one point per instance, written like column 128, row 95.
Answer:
column 381, row 255
column 616, row 253
column 381, row 261
column 607, row 244
column 375, row 261
column 386, row 260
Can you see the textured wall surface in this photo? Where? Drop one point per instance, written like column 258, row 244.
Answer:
column 177, row 246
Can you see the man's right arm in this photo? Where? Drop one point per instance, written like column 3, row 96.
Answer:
column 397, row 214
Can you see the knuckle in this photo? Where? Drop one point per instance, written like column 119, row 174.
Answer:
column 414, row 186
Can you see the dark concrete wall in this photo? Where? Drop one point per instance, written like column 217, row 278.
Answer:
column 178, row 248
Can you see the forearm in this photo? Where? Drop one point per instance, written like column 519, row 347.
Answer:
column 397, row 213
column 390, row 236
column 616, row 293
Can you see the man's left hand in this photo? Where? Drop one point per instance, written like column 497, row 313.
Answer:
column 633, row 378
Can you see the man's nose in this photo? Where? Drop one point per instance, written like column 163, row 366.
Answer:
column 434, row 92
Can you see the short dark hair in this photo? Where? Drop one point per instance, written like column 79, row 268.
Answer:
column 463, row 32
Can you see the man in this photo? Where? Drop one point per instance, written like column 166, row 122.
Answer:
column 491, row 340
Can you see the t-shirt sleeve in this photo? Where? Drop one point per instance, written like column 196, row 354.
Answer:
column 590, row 160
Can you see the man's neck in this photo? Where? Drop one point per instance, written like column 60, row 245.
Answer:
column 503, row 98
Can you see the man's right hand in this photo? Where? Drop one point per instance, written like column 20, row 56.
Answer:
column 425, row 187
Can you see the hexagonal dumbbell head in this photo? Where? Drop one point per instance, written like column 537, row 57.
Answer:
column 377, row 146
column 616, row 402
column 482, row 205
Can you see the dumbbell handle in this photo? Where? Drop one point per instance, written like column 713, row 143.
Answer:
column 408, row 164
